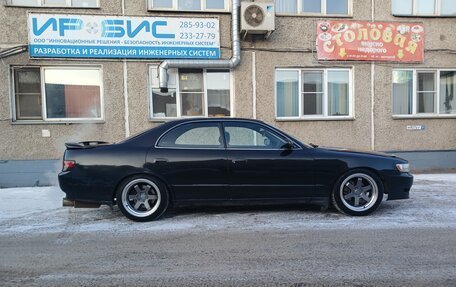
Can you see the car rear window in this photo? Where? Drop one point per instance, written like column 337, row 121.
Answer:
column 193, row 135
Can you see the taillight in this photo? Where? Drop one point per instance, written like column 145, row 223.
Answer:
column 68, row 165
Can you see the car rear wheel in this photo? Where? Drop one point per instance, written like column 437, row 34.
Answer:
column 142, row 198
column 358, row 193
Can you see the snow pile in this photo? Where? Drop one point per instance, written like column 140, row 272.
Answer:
column 19, row 202
column 39, row 210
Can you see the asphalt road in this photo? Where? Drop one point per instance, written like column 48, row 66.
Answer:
column 405, row 243
column 421, row 257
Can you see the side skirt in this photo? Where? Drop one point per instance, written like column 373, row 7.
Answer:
column 324, row 202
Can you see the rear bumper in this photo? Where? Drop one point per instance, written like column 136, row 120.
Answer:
column 79, row 190
column 398, row 186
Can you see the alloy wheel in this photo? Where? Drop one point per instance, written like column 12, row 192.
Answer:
column 141, row 197
column 359, row 192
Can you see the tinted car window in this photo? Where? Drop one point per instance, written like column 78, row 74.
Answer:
column 199, row 135
column 252, row 136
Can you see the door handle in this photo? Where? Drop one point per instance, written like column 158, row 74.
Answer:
column 239, row 160
column 160, row 160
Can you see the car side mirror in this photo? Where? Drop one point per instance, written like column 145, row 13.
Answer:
column 288, row 145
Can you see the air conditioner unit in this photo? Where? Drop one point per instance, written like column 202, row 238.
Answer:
column 257, row 18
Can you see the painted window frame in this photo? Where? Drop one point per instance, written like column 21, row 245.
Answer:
column 322, row 14
column 15, row 96
column 42, row 3
column 227, row 9
column 437, row 10
column 44, row 118
column 325, row 115
column 414, row 113
column 179, row 115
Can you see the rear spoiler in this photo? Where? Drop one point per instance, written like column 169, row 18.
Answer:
column 84, row 145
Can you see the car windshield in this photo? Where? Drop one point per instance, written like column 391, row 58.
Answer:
column 293, row 138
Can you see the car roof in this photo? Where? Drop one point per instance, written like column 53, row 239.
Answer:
column 216, row 119
column 155, row 133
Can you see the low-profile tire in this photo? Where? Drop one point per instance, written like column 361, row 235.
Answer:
column 358, row 192
column 142, row 198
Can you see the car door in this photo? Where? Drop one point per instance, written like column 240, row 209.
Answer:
column 192, row 159
column 263, row 167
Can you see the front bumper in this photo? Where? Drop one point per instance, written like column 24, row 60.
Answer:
column 398, row 186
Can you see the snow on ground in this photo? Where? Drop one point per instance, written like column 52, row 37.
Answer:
column 18, row 202
column 39, row 210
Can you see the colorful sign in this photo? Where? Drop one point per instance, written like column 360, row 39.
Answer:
column 88, row 36
column 370, row 41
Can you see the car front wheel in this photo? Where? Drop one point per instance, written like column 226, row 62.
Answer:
column 142, row 198
column 358, row 193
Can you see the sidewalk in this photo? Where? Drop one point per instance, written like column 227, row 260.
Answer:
column 39, row 210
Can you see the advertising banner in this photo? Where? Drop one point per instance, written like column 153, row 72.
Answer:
column 89, row 36
column 370, row 41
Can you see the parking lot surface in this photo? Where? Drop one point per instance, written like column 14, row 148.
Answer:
column 404, row 243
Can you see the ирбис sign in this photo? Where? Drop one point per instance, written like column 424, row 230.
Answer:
column 88, row 36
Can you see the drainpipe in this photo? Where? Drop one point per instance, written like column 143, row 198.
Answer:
column 231, row 63
column 373, row 88
column 125, row 84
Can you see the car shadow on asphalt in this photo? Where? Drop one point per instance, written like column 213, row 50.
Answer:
column 250, row 209
column 385, row 209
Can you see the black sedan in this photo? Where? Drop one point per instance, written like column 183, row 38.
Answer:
column 227, row 161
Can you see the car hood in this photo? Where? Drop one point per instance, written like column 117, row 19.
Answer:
column 344, row 150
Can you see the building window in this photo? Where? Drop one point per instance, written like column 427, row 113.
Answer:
column 27, row 88
column 314, row 7
column 427, row 92
column 444, row 8
column 191, row 92
column 57, row 93
column 313, row 94
column 55, row 3
column 190, row 5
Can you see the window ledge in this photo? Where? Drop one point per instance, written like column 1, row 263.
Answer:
column 31, row 122
column 315, row 119
column 313, row 15
column 50, row 7
column 53, row 7
column 411, row 117
column 162, row 120
column 191, row 11
column 424, row 16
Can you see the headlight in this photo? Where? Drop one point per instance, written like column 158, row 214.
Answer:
column 403, row 167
